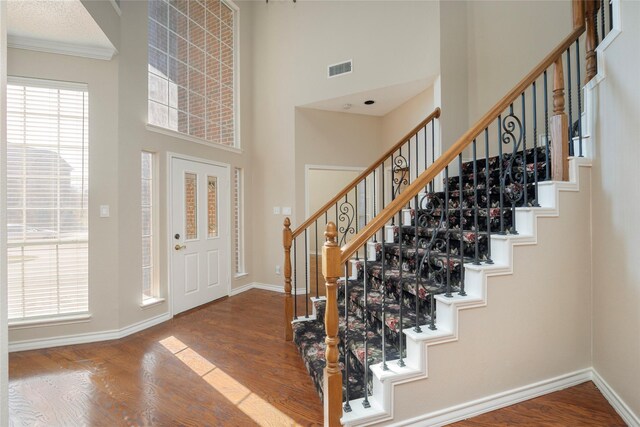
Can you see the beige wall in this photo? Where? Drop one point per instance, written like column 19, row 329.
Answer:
column 616, row 206
column 293, row 43
column 506, row 39
column 398, row 122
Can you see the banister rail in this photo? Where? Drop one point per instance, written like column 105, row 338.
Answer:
column 456, row 149
column 349, row 187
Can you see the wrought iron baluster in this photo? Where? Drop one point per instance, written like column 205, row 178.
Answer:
column 602, row 22
column 409, row 161
column 547, row 171
column 578, row 82
column 488, row 194
column 535, row 147
column 512, row 132
column 610, row 15
column 393, row 179
column 295, row 279
column 347, row 406
column 570, row 102
column 365, row 319
column 500, row 166
column 433, row 148
column 306, row 276
column 383, row 281
column 524, row 151
column 461, row 292
column 375, row 196
column 476, row 257
column 416, row 246
column 426, row 161
column 400, row 289
column 347, row 215
column 316, row 257
column 355, row 215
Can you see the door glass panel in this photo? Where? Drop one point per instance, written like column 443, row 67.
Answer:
column 212, row 206
column 191, row 205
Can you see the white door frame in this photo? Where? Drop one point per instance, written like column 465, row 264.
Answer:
column 169, row 225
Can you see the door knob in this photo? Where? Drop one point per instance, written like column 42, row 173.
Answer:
column 178, row 247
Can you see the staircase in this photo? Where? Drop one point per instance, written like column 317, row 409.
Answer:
column 413, row 237
column 393, row 275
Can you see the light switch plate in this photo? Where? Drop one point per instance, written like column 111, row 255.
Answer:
column 104, row 211
column 286, row 210
column 276, row 210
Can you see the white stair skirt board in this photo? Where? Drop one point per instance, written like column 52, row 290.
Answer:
column 417, row 344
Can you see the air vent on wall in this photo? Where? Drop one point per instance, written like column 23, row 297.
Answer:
column 340, row 69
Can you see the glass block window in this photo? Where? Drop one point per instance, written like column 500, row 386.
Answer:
column 147, row 208
column 192, row 68
column 47, row 198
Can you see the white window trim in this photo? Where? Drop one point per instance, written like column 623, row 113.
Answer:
column 36, row 322
column 58, row 319
column 240, row 226
column 184, row 136
column 155, row 227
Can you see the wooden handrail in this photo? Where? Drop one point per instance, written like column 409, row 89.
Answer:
column 456, row 149
column 434, row 115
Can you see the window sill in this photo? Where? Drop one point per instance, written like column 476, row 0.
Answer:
column 151, row 302
column 169, row 132
column 49, row 321
column 240, row 275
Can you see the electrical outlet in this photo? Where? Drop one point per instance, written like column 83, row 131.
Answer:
column 278, row 270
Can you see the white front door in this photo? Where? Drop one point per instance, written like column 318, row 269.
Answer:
column 199, row 233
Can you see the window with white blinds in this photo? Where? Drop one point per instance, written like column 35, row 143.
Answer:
column 47, row 194
column 149, row 241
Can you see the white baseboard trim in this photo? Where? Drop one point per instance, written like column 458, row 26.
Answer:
column 263, row 286
column 89, row 337
column 618, row 404
column 499, row 400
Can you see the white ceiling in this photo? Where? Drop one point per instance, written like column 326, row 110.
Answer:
column 50, row 23
column 386, row 99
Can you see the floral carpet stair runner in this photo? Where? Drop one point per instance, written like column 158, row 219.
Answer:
column 400, row 289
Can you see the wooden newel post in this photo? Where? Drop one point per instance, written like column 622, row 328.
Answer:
column 332, row 373
column 559, row 128
column 287, row 238
column 591, row 10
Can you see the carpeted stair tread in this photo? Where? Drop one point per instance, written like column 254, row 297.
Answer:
column 309, row 338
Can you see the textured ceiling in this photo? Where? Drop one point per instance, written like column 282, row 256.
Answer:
column 59, row 21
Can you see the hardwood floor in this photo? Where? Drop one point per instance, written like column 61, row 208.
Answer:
column 224, row 364
column 582, row 405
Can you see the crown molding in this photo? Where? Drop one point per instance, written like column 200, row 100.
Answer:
column 47, row 46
